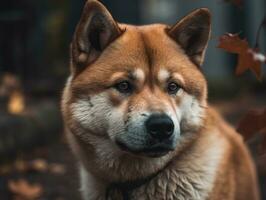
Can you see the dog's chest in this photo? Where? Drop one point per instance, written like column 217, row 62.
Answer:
column 169, row 186
column 190, row 177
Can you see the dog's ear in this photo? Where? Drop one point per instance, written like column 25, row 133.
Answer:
column 193, row 33
column 94, row 32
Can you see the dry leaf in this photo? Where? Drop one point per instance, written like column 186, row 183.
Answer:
column 232, row 43
column 21, row 165
column 8, row 84
column 16, row 104
column 5, row 169
column 57, row 168
column 39, row 165
column 252, row 123
column 248, row 58
column 23, row 190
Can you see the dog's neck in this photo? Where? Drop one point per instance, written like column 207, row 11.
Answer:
column 190, row 176
column 126, row 188
column 115, row 190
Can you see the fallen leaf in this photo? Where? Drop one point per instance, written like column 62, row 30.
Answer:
column 21, row 165
column 57, row 168
column 39, row 165
column 252, row 123
column 5, row 169
column 16, row 104
column 24, row 190
column 248, row 58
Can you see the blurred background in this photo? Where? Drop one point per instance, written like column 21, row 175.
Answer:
column 35, row 162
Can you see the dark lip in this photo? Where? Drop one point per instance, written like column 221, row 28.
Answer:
column 156, row 150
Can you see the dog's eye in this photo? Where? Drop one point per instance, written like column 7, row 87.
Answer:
column 172, row 88
column 124, row 87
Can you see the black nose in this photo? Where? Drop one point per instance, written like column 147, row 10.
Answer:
column 160, row 126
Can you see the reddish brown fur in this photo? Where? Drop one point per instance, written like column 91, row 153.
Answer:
column 144, row 54
column 237, row 175
column 150, row 49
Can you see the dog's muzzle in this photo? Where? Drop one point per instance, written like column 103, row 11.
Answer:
column 160, row 137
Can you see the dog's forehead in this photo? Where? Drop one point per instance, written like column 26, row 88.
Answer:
column 152, row 44
column 144, row 52
column 143, row 49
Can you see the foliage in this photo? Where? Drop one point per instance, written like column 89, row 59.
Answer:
column 253, row 125
column 248, row 58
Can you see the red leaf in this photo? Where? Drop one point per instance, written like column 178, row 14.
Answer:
column 232, row 43
column 24, row 190
column 252, row 123
column 248, row 58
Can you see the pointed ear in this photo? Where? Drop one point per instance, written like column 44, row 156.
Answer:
column 94, row 32
column 193, row 33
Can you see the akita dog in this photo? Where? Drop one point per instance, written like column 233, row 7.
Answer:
column 137, row 118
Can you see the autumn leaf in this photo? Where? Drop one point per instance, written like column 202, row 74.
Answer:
column 252, row 123
column 39, row 165
column 20, row 165
column 57, row 169
column 16, row 103
column 232, row 43
column 25, row 191
column 248, row 58
column 5, row 169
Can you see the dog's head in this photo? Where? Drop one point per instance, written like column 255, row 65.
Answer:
column 138, row 88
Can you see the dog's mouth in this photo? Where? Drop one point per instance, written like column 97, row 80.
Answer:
column 155, row 150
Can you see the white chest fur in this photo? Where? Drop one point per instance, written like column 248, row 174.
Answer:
column 190, row 177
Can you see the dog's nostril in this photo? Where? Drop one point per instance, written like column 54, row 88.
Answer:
column 160, row 126
column 170, row 128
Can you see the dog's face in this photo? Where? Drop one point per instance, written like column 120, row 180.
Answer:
column 139, row 89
